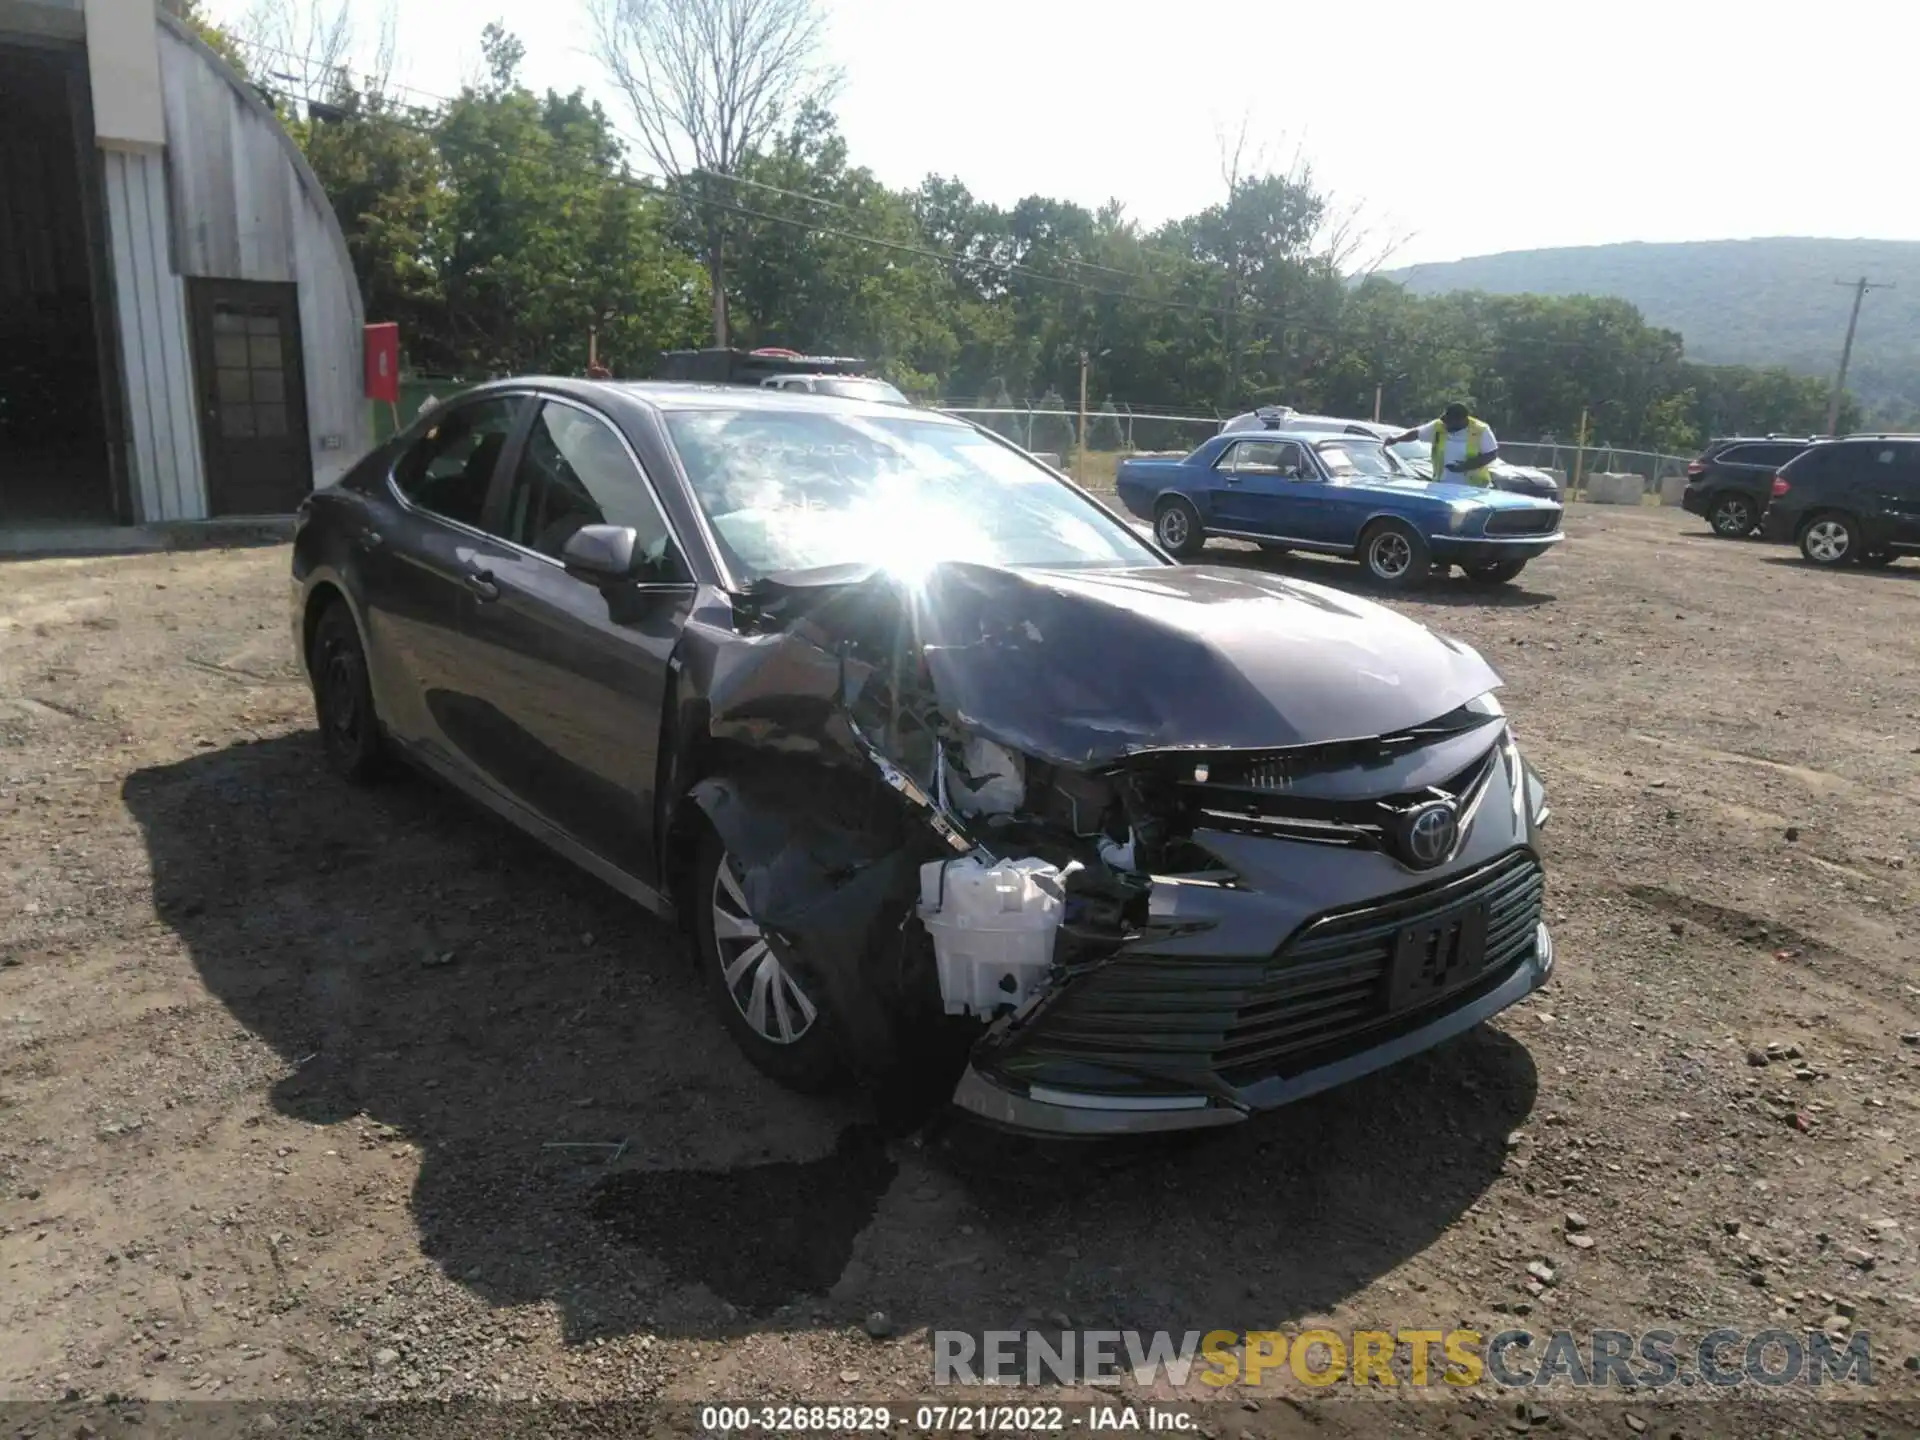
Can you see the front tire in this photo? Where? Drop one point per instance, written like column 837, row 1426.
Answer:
column 1829, row 539
column 343, row 697
column 1395, row 555
column 1176, row 525
column 1494, row 572
column 1732, row 515
column 775, row 1011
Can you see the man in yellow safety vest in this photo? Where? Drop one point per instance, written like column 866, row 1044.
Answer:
column 1463, row 446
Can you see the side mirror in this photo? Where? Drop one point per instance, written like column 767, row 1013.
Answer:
column 601, row 554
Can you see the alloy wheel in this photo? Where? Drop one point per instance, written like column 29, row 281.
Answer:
column 767, row 994
column 340, row 698
column 1828, row 541
column 1389, row 555
column 1173, row 527
column 1733, row 516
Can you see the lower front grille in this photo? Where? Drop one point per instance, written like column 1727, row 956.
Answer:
column 1523, row 522
column 1179, row 1023
column 1332, row 979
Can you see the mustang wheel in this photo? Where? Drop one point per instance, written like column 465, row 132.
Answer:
column 1176, row 525
column 343, row 698
column 1731, row 515
column 1494, row 572
column 1395, row 554
column 773, row 1009
column 1828, row 539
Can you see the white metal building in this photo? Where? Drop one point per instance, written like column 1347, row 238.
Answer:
column 180, row 331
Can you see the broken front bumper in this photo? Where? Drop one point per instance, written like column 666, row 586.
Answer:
column 1312, row 966
column 1053, row 1110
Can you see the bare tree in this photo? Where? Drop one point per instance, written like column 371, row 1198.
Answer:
column 305, row 41
column 707, row 82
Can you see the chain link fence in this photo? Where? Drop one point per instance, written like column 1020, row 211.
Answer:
column 1129, row 430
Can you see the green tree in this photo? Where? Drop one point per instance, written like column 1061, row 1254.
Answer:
column 1103, row 429
column 1052, row 432
column 548, row 237
column 381, row 169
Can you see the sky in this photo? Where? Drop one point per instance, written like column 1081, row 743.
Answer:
column 1452, row 129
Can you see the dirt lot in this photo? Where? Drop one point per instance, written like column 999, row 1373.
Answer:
column 309, row 1092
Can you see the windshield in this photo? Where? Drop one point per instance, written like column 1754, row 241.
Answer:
column 795, row 490
column 1411, row 451
column 854, row 389
column 1353, row 455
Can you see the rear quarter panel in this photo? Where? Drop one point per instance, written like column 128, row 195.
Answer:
column 1141, row 483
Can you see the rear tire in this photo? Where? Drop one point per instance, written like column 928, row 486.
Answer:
column 1395, row 555
column 1494, row 572
column 343, row 697
column 1829, row 539
column 1176, row 525
column 776, row 1013
column 1732, row 515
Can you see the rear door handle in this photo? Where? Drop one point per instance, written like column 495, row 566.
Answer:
column 482, row 584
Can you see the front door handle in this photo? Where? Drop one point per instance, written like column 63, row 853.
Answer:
column 482, row 584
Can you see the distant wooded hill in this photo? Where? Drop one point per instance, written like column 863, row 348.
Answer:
column 1749, row 302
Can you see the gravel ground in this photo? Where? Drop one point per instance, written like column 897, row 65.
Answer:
column 310, row 1093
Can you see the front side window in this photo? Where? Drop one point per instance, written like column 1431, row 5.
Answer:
column 575, row 471
column 448, row 468
column 798, row 490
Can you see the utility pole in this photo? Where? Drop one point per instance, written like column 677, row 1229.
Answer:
column 1860, row 288
column 1080, row 468
column 1580, row 454
column 1376, row 403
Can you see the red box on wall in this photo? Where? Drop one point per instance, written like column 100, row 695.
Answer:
column 383, row 363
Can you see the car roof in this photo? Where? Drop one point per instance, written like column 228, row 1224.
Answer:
column 666, row 395
column 1305, row 437
column 690, row 395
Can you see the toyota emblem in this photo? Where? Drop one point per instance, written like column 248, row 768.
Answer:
column 1430, row 833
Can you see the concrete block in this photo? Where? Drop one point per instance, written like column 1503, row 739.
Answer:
column 1609, row 488
column 1559, row 476
column 1671, row 487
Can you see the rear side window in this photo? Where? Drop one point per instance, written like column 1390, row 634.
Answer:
column 448, row 469
column 1771, row 455
column 1264, row 457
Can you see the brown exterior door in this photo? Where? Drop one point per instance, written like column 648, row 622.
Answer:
column 253, row 404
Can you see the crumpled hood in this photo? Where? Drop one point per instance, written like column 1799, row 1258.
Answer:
column 1081, row 667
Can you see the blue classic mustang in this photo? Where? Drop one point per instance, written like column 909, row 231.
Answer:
column 1339, row 495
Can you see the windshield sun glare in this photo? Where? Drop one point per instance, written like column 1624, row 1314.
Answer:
column 793, row 490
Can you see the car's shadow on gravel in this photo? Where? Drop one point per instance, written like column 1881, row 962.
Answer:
column 587, row 1137
column 1349, row 577
column 1899, row 570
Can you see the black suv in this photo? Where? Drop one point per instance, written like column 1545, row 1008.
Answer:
column 1728, row 484
column 1852, row 500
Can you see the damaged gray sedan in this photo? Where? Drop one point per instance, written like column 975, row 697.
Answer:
column 939, row 761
